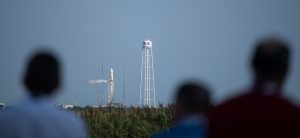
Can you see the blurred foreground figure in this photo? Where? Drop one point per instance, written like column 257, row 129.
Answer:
column 37, row 118
column 192, row 104
column 261, row 112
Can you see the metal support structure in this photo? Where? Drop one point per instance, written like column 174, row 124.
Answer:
column 147, row 86
column 124, row 87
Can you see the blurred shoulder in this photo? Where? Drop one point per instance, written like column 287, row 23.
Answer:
column 182, row 132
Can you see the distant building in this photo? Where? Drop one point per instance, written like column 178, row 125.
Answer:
column 68, row 106
column 2, row 106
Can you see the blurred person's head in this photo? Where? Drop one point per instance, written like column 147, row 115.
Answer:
column 42, row 75
column 270, row 61
column 191, row 98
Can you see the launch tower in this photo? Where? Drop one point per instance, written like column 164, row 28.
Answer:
column 147, row 86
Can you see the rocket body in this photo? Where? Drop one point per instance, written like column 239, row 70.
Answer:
column 111, row 88
column 111, row 76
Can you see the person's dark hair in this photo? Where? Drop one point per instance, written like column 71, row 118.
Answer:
column 193, row 98
column 271, row 57
column 42, row 76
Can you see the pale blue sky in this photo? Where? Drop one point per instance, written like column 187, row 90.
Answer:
column 210, row 40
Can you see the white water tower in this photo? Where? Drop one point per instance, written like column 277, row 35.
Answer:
column 147, row 86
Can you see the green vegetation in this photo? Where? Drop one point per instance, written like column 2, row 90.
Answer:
column 133, row 122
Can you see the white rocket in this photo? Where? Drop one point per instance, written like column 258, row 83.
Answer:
column 111, row 88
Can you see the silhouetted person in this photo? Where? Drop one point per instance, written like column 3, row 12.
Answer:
column 191, row 105
column 37, row 117
column 261, row 112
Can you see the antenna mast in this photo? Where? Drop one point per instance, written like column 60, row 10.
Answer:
column 124, row 84
column 102, row 87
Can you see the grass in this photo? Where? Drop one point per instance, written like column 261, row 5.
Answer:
column 131, row 122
